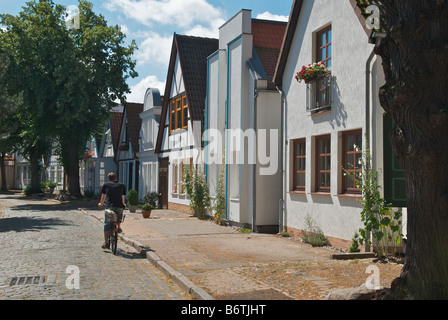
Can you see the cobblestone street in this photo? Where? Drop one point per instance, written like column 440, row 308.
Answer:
column 43, row 241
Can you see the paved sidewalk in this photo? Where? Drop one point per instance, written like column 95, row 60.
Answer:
column 203, row 258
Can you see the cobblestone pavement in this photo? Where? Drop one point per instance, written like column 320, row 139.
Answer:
column 40, row 243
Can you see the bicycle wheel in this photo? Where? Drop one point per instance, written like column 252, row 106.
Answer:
column 113, row 239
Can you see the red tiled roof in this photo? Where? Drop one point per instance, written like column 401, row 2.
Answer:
column 133, row 111
column 115, row 124
column 267, row 40
column 268, row 34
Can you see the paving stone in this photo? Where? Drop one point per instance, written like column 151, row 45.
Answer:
column 38, row 239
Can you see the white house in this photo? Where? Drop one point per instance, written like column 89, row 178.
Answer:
column 53, row 170
column 98, row 158
column 326, row 118
column 183, row 107
column 243, row 109
column 149, row 160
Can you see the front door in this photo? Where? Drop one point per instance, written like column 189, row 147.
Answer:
column 394, row 177
column 163, row 182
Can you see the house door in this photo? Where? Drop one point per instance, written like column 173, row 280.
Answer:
column 130, row 175
column 163, row 182
column 394, row 178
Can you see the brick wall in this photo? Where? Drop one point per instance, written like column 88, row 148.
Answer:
column 180, row 207
column 334, row 242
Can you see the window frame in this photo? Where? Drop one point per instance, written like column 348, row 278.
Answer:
column 178, row 107
column 353, row 153
column 327, row 187
column 319, row 46
column 298, row 143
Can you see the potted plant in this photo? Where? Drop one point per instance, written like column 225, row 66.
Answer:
column 146, row 210
column 132, row 197
column 311, row 72
column 43, row 186
column 51, row 186
column 151, row 198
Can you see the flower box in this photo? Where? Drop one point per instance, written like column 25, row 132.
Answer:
column 311, row 73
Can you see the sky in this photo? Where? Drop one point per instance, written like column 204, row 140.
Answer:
column 152, row 23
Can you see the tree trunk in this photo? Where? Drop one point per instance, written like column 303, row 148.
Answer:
column 415, row 62
column 72, row 168
column 35, row 170
column 3, row 171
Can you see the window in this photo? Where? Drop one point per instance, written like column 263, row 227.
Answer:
column 323, row 164
column 299, row 157
column 352, row 153
column 178, row 113
column 179, row 167
column 323, row 49
column 320, row 95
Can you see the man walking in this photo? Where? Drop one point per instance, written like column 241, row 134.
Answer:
column 113, row 195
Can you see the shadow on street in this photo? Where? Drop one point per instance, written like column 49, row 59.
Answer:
column 23, row 224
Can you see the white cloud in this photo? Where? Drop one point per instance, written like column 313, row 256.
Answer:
column 269, row 16
column 138, row 91
column 124, row 29
column 154, row 49
column 181, row 13
column 201, row 31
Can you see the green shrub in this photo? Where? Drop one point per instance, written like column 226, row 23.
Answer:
column 313, row 235
column 132, row 197
column 355, row 244
column 89, row 194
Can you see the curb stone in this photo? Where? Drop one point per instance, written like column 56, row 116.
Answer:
column 180, row 279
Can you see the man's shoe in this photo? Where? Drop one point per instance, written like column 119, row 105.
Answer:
column 120, row 230
column 105, row 246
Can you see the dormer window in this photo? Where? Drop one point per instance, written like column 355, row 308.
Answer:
column 178, row 113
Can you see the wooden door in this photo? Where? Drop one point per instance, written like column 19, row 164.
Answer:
column 163, row 182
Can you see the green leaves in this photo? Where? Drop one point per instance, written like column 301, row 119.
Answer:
column 378, row 217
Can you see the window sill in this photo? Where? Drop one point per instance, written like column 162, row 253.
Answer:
column 297, row 192
column 349, row 195
column 320, row 112
column 320, row 193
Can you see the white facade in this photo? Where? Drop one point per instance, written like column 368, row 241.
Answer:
column 354, row 81
column 238, row 102
column 178, row 145
column 53, row 171
column 149, row 165
column 88, row 175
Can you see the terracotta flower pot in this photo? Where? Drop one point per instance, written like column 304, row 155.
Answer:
column 146, row 214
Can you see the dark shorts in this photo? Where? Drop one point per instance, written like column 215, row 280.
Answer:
column 108, row 222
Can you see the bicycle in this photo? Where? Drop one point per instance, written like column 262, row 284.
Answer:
column 112, row 216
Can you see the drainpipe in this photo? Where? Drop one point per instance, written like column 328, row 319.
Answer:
column 281, row 202
column 254, row 184
column 368, row 107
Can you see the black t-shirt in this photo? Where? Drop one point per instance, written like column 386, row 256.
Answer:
column 114, row 192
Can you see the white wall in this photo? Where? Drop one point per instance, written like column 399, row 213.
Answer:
column 337, row 215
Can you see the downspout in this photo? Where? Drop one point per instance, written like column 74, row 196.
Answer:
column 254, row 198
column 368, row 107
column 281, row 202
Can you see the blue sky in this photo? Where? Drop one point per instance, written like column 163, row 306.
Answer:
column 152, row 23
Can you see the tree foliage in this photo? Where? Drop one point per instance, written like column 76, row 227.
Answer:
column 69, row 77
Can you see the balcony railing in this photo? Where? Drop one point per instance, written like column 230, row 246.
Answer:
column 318, row 93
